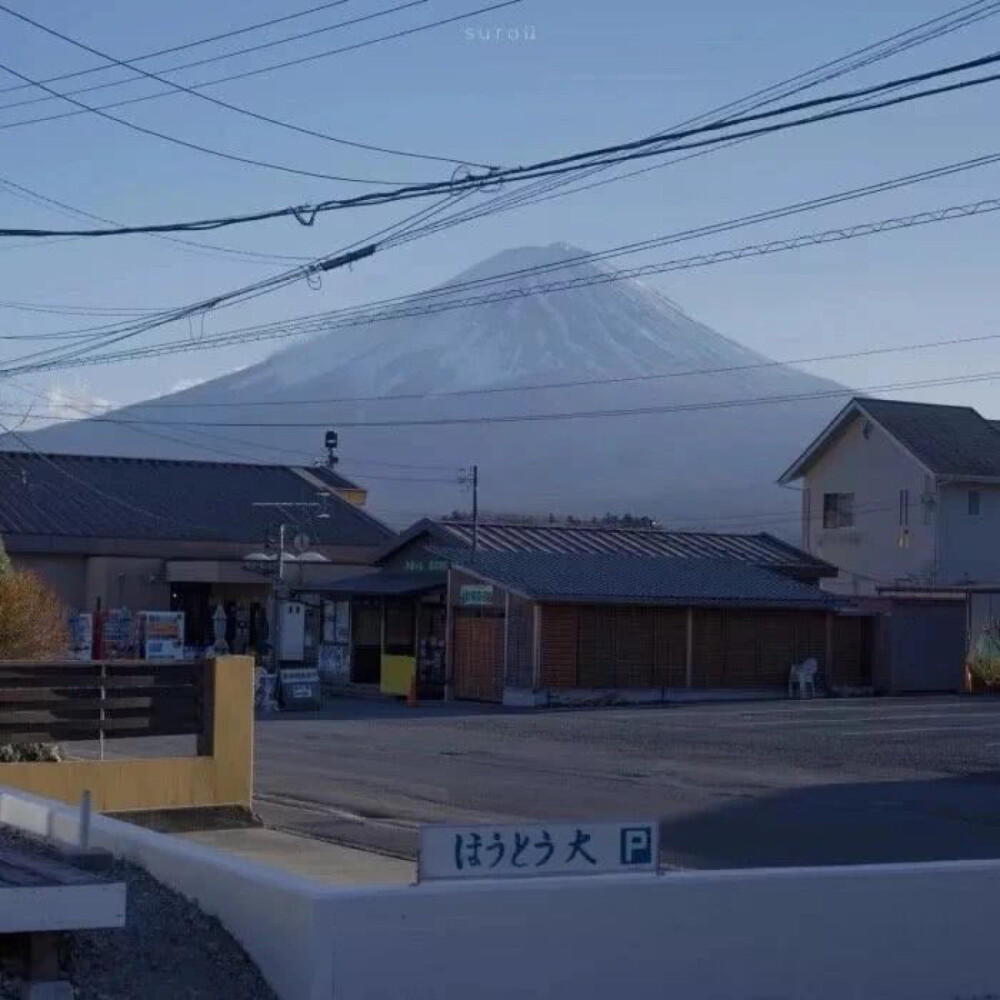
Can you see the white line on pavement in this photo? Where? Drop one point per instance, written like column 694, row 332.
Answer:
column 803, row 723
column 921, row 729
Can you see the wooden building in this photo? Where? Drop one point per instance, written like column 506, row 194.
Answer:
column 539, row 628
column 718, row 610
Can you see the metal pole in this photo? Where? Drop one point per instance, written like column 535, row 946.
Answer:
column 278, row 587
column 104, row 694
column 84, row 831
column 475, row 508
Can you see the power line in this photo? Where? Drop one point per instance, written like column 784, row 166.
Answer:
column 575, row 383
column 539, row 191
column 328, row 322
column 728, row 225
column 195, row 146
column 621, row 152
column 547, row 417
column 187, row 45
column 264, row 69
column 203, row 249
column 194, row 92
column 317, row 268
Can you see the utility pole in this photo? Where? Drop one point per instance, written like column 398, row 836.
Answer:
column 470, row 477
column 475, row 508
column 278, row 587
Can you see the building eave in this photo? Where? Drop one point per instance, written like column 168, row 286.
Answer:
column 824, row 439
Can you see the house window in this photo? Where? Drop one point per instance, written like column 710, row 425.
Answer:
column 904, row 508
column 838, row 510
column 974, row 501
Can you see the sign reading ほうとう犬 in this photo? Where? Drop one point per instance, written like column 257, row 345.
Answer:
column 527, row 850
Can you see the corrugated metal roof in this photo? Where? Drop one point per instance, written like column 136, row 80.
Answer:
column 131, row 498
column 759, row 549
column 620, row 578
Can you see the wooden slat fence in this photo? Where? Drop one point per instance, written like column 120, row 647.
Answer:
column 55, row 702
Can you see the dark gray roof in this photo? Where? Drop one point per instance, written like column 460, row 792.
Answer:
column 385, row 584
column 624, row 579
column 134, row 498
column 949, row 440
column 760, row 549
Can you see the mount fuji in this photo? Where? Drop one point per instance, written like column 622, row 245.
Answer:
column 694, row 463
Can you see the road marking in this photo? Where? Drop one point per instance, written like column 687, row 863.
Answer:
column 869, row 704
column 920, row 729
column 957, row 719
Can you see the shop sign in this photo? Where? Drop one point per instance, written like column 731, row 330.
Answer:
column 425, row 566
column 163, row 635
column 530, row 850
column 475, row 595
column 299, row 687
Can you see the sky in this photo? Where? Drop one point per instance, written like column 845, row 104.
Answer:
column 534, row 80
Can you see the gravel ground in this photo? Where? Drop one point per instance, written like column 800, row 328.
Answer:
column 168, row 950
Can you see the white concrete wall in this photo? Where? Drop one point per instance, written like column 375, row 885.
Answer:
column 273, row 915
column 888, row 932
column 904, row 932
column 874, row 469
column 970, row 544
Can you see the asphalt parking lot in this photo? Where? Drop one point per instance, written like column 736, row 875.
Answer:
column 734, row 784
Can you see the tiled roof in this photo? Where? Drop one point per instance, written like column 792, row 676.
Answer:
column 946, row 440
column 624, row 579
column 128, row 498
column 760, row 549
column 949, row 440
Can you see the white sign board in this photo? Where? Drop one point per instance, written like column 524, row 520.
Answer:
column 164, row 635
column 528, row 850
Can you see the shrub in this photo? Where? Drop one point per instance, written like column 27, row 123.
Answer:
column 984, row 660
column 17, row 753
column 32, row 619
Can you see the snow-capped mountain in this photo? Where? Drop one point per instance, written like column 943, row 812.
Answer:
column 710, row 466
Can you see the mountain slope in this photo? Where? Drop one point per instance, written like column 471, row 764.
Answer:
column 700, row 466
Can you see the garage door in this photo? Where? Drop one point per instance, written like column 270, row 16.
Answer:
column 478, row 658
column 927, row 646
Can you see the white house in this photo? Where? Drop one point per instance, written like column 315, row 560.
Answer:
column 902, row 493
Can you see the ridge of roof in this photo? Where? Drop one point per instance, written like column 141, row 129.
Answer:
column 57, row 456
column 946, row 439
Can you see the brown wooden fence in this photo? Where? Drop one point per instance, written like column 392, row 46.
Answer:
column 58, row 702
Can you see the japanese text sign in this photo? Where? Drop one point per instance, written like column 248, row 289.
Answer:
column 475, row 595
column 527, row 850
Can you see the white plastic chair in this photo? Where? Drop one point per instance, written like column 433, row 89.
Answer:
column 803, row 676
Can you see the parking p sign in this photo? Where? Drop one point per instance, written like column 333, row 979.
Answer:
column 529, row 850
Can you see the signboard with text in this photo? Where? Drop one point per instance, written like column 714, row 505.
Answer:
column 528, row 850
column 475, row 595
column 163, row 635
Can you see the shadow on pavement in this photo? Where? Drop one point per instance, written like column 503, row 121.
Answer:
column 377, row 708
column 941, row 819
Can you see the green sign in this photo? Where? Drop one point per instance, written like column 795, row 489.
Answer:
column 425, row 566
column 475, row 595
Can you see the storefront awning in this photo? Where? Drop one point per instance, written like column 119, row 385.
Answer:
column 386, row 584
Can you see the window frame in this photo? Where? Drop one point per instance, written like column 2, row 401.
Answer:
column 978, row 504
column 838, row 510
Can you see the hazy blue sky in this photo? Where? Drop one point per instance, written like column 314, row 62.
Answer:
column 594, row 72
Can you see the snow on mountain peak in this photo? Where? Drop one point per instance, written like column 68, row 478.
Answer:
column 601, row 327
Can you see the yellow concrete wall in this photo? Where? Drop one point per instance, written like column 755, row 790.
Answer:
column 397, row 671
column 223, row 779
